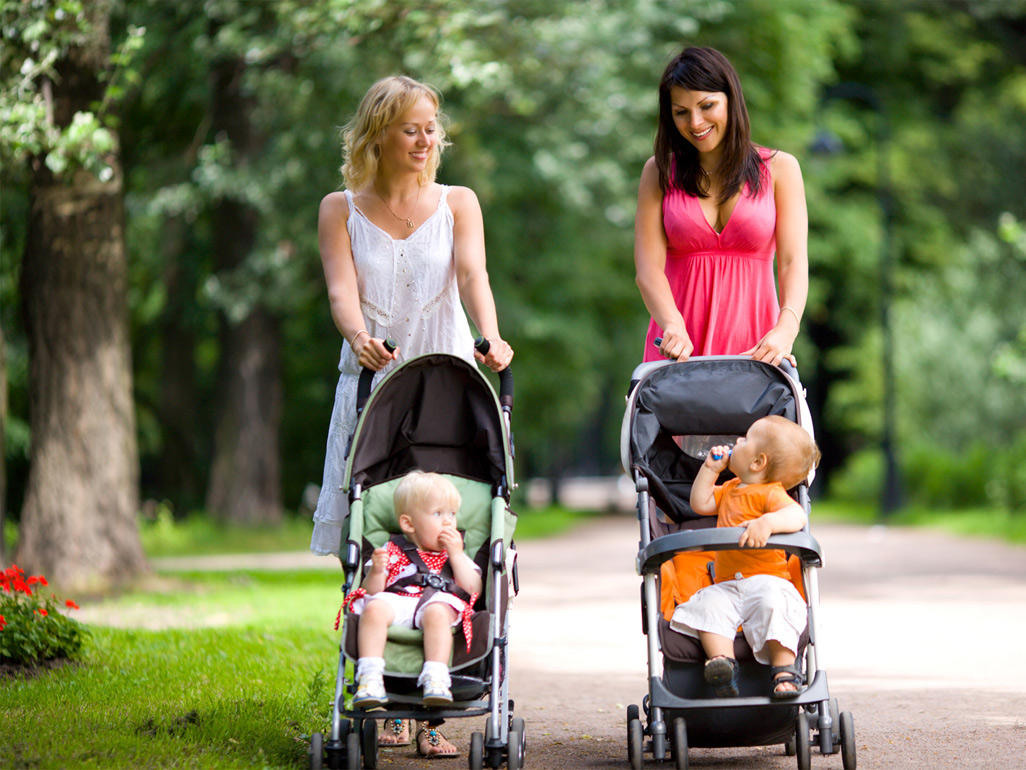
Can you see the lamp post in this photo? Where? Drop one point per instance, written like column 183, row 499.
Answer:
column 858, row 92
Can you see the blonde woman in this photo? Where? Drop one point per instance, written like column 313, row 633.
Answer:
column 402, row 257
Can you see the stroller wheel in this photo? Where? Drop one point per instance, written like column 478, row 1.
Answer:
column 847, row 740
column 352, row 751
column 635, row 743
column 515, row 750
column 632, row 713
column 316, row 751
column 802, row 749
column 369, row 743
column 475, row 758
column 679, row 743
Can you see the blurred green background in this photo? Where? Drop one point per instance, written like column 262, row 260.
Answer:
column 907, row 117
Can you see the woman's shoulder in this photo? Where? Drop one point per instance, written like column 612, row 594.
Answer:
column 335, row 204
column 778, row 161
column 462, row 200
column 458, row 195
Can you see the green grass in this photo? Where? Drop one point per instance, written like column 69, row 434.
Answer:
column 239, row 669
column 199, row 535
column 990, row 523
column 241, row 694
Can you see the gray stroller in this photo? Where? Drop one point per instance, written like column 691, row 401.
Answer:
column 675, row 413
column 435, row 413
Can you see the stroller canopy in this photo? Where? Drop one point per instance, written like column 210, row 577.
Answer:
column 717, row 396
column 435, row 412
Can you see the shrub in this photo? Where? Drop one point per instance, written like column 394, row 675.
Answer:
column 860, row 480
column 1007, row 484
column 940, row 478
column 32, row 627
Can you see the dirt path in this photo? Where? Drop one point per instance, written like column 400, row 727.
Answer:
column 898, row 607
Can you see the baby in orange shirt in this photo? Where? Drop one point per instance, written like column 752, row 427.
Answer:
column 752, row 587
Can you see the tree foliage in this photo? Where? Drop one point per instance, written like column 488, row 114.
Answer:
column 552, row 109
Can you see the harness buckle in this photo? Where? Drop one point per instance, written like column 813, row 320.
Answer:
column 435, row 581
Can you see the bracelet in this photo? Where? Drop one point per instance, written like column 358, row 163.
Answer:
column 357, row 335
column 794, row 312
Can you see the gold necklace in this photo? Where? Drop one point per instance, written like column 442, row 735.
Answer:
column 407, row 220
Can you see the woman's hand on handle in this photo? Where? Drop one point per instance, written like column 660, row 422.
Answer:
column 371, row 352
column 774, row 347
column 498, row 356
column 676, row 343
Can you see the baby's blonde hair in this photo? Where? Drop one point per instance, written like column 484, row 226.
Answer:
column 418, row 488
column 790, row 451
column 381, row 106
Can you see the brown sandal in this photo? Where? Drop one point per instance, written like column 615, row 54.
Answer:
column 433, row 745
column 394, row 732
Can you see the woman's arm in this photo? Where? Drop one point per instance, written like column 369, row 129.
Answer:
column 340, row 277
column 650, row 266
column 792, row 259
column 472, row 275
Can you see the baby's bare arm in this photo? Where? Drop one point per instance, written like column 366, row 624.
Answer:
column 374, row 582
column 703, row 498
column 790, row 518
column 464, row 571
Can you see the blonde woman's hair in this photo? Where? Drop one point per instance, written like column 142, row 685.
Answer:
column 381, row 106
column 419, row 488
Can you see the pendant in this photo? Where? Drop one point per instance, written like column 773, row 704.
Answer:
column 409, row 223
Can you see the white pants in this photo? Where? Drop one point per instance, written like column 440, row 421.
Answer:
column 405, row 606
column 766, row 607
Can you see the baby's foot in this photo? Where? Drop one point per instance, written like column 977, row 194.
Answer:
column 721, row 673
column 371, row 692
column 436, row 691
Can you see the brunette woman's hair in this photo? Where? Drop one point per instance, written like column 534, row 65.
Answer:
column 705, row 69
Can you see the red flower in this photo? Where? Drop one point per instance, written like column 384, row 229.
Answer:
column 42, row 612
column 3, row 622
column 37, row 579
column 21, row 585
column 71, row 603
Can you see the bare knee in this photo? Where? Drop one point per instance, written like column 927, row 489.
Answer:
column 437, row 614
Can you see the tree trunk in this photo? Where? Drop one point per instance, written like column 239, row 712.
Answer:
column 78, row 524
column 245, row 476
column 179, row 406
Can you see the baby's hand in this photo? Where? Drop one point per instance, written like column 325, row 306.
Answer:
column 756, row 534
column 379, row 560
column 451, row 540
column 718, row 458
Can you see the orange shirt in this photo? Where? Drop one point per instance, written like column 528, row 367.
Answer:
column 736, row 504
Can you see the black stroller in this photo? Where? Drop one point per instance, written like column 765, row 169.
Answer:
column 435, row 413
column 675, row 413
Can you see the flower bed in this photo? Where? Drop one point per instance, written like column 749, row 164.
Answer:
column 33, row 630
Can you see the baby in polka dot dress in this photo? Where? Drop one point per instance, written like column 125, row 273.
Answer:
column 426, row 505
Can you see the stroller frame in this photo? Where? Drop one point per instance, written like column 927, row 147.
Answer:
column 353, row 736
column 834, row 730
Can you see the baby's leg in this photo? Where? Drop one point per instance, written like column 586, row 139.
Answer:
column 436, row 621
column 375, row 619
column 715, row 645
column 778, row 654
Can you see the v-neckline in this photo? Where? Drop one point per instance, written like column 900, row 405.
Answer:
column 730, row 217
column 389, row 235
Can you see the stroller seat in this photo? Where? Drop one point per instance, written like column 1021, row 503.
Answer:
column 404, row 650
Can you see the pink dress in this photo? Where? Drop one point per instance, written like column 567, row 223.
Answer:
column 723, row 282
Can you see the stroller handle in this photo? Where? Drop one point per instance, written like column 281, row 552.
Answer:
column 363, row 387
column 482, row 346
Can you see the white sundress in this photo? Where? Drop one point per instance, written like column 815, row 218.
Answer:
column 408, row 292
